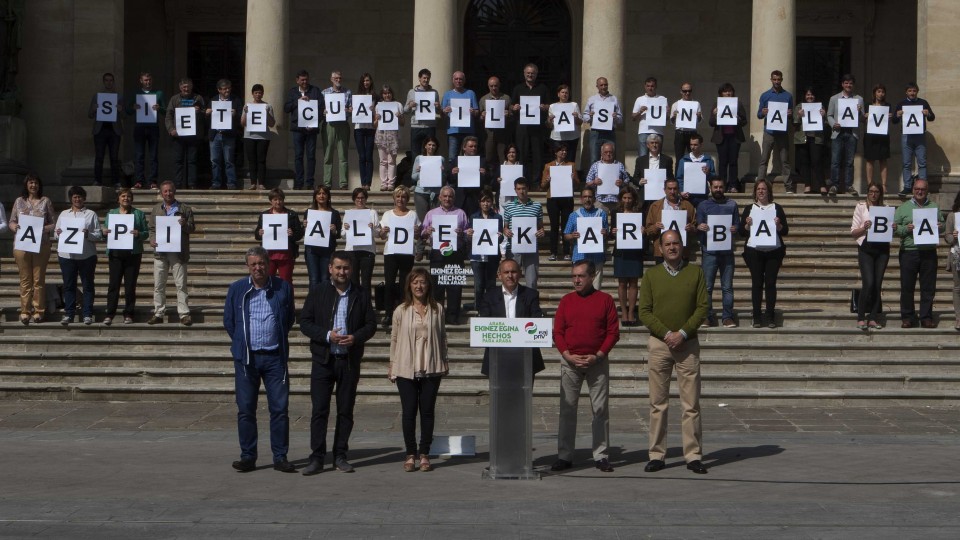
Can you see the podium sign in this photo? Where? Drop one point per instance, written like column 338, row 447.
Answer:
column 505, row 332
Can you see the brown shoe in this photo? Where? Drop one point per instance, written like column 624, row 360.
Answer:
column 186, row 320
column 410, row 464
column 425, row 464
column 928, row 323
column 906, row 324
column 155, row 319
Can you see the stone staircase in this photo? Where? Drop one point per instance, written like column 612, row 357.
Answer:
column 817, row 356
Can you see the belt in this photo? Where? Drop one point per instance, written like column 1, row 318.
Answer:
column 340, row 356
column 271, row 352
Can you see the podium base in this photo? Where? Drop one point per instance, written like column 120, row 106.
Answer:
column 531, row 475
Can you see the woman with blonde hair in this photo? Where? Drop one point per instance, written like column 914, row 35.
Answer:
column 418, row 362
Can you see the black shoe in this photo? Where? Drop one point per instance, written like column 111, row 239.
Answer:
column 697, row 467
column 245, row 465
column 905, row 192
column 284, row 466
column 342, row 465
column 314, row 467
column 561, row 465
column 604, row 465
column 654, row 465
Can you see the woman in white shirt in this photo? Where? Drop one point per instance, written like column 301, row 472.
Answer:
column 763, row 261
column 570, row 139
column 872, row 257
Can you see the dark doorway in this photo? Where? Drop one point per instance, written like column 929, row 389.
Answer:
column 821, row 62
column 501, row 36
column 212, row 56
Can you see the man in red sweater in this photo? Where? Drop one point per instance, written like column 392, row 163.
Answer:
column 585, row 329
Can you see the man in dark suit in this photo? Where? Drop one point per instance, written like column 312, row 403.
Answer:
column 338, row 318
column 653, row 160
column 511, row 300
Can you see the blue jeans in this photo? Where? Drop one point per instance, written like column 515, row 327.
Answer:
column 71, row 270
column 144, row 135
column 363, row 137
column 318, row 264
column 304, row 145
column 844, row 146
column 270, row 367
column 913, row 146
column 454, row 140
column 223, row 147
column 597, row 139
column 724, row 263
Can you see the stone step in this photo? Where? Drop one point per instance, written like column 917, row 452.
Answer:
column 386, row 393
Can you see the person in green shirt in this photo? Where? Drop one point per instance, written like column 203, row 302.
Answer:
column 916, row 261
column 673, row 303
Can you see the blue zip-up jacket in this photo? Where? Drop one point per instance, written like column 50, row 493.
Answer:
column 236, row 314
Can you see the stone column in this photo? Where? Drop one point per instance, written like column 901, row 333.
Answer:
column 435, row 42
column 938, row 71
column 266, row 63
column 773, row 46
column 97, row 48
column 603, row 25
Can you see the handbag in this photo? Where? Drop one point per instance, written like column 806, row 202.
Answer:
column 855, row 301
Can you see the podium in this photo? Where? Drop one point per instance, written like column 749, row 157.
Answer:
column 511, row 390
column 511, row 415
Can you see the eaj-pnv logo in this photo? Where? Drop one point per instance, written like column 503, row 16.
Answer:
column 446, row 249
column 530, row 328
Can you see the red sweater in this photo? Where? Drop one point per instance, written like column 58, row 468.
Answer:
column 586, row 324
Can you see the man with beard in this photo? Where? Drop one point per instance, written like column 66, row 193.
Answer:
column 713, row 260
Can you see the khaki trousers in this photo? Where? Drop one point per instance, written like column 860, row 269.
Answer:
column 661, row 363
column 167, row 263
column 598, row 384
column 33, row 277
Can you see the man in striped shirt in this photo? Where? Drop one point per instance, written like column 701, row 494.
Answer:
column 522, row 206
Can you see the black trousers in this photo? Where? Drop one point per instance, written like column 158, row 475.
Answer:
column 872, row 257
column 530, row 141
column 363, row 268
column 256, row 151
column 185, row 161
column 558, row 210
column 764, row 267
column 338, row 374
column 914, row 263
column 394, row 267
column 727, row 153
column 106, row 139
column 124, row 267
column 418, row 395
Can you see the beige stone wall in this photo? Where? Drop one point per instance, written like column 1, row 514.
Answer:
column 67, row 49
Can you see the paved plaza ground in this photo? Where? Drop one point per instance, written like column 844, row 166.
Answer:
column 162, row 470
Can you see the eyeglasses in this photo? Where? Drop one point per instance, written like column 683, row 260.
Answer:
column 686, row 90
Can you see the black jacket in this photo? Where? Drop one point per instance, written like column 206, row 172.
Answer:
column 316, row 320
column 528, row 305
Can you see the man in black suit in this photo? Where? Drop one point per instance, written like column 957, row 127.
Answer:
column 653, row 160
column 338, row 318
column 511, row 300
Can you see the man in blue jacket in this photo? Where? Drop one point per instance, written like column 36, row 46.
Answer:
column 258, row 315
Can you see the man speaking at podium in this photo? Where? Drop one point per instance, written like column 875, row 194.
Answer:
column 511, row 300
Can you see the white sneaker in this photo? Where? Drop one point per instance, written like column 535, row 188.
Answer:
column 88, row 320
column 66, row 320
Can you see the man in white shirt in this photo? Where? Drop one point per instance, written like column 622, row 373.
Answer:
column 598, row 137
column 640, row 108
